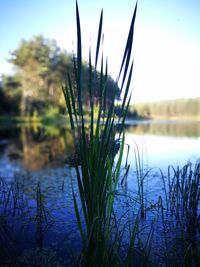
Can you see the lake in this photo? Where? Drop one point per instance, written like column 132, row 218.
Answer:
column 32, row 154
column 48, row 151
column 166, row 143
column 161, row 143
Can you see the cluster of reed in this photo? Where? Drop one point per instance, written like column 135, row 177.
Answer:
column 181, row 217
column 97, row 141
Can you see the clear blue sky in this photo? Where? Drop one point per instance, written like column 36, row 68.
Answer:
column 166, row 44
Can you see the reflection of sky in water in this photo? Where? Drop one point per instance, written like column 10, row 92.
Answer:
column 59, row 224
column 161, row 151
column 157, row 153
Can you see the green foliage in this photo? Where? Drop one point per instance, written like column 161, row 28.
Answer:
column 97, row 175
column 179, row 108
column 41, row 68
column 10, row 96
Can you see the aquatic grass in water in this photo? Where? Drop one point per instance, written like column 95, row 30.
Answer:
column 182, row 215
column 98, row 174
column 141, row 175
column 133, row 243
column 183, row 194
column 24, row 224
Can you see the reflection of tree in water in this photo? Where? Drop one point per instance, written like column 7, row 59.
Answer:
column 177, row 129
column 10, row 143
column 41, row 148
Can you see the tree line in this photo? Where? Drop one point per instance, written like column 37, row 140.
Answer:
column 41, row 68
column 185, row 108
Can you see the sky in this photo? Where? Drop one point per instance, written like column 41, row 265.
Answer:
column 166, row 40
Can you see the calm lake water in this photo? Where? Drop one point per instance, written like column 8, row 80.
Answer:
column 45, row 154
column 164, row 143
column 160, row 143
column 36, row 149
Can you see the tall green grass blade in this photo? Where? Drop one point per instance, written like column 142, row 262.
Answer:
column 72, row 98
column 117, row 170
column 67, row 100
column 109, row 186
column 128, row 49
column 79, row 58
column 127, row 87
column 124, row 115
column 105, row 90
column 99, row 38
column 78, row 218
column 91, row 100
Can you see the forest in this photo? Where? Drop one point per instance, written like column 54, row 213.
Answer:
column 178, row 108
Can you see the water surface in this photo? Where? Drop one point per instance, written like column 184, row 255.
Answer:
column 33, row 154
column 161, row 143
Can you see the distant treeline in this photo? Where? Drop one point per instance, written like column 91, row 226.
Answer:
column 179, row 108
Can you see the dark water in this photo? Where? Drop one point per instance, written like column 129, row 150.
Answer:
column 32, row 153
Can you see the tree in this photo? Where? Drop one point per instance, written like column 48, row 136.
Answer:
column 10, row 95
column 33, row 60
column 42, row 68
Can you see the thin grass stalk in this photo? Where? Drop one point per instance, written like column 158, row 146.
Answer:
column 39, row 219
column 128, row 50
column 140, row 179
